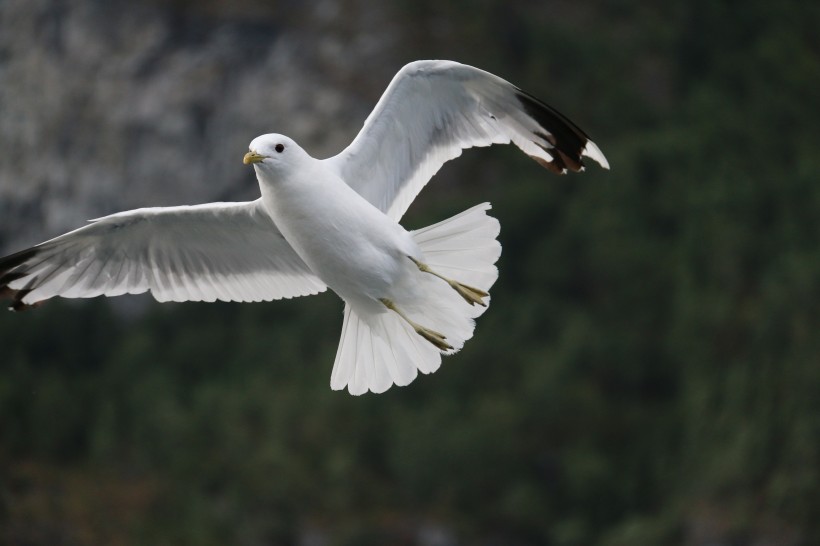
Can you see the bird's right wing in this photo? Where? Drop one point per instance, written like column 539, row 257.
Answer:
column 217, row 251
column 431, row 111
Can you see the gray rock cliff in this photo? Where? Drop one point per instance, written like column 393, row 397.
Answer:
column 106, row 106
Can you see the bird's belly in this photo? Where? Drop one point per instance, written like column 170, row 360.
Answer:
column 353, row 266
column 358, row 260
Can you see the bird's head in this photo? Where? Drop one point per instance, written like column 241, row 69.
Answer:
column 272, row 153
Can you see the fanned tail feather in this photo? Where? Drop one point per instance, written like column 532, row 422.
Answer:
column 377, row 351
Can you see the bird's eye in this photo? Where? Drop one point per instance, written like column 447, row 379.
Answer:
column 279, row 148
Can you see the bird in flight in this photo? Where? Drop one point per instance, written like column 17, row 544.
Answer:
column 410, row 296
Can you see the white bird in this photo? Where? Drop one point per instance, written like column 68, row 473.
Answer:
column 410, row 296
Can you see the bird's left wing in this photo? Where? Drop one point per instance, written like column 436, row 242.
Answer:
column 217, row 251
column 431, row 111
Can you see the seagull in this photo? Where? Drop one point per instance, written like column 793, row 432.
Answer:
column 410, row 296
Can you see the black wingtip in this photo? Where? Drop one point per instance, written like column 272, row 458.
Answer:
column 568, row 143
column 17, row 303
column 17, row 296
column 8, row 275
column 7, row 263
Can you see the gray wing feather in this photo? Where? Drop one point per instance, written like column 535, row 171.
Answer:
column 217, row 251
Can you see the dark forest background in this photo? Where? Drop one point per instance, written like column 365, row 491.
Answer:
column 648, row 373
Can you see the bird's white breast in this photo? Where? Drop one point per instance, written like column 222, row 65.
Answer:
column 349, row 244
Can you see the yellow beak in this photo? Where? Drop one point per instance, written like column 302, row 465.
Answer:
column 253, row 157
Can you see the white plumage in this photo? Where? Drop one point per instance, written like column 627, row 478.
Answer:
column 218, row 251
column 409, row 296
column 378, row 350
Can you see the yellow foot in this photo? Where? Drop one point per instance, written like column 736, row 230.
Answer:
column 470, row 294
column 434, row 337
column 437, row 339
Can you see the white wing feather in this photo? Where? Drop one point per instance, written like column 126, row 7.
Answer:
column 216, row 251
column 431, row 111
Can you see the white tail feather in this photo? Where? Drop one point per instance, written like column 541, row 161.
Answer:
column 377, row 351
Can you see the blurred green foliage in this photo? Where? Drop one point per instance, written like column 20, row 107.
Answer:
column 648, row 372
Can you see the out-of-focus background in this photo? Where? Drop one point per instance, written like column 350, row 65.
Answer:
column 648, row 374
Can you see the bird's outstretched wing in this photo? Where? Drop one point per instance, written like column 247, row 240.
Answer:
column 217, row 251
column 431, row 111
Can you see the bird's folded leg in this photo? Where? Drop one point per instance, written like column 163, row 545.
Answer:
column 471, row 294
column 437, row 339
